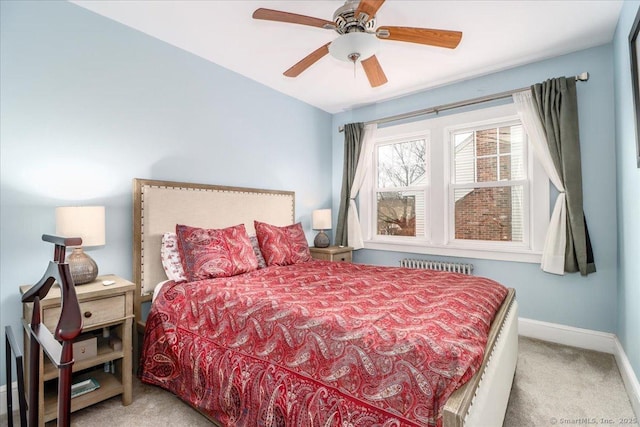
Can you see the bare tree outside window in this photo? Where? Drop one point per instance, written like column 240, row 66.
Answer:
column 401, row 169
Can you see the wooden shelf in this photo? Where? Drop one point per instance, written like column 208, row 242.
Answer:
column 105, row 354
column 109, row 386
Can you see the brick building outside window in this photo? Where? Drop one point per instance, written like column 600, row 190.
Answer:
column 492, row 158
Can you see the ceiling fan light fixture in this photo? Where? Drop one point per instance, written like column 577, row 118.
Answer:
column 358, row 39
column 355, row 46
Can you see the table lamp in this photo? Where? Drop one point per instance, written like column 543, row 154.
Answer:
column 88, row 223
column 321, row 220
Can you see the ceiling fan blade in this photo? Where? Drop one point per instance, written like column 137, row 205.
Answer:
column 370, row 7
column 374, row 71
column 440, row 38
column 307, row 61
column 292, row 18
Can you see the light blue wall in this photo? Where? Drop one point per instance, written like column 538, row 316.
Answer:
column 88, row 104
column 628, row 175
column 585, row 302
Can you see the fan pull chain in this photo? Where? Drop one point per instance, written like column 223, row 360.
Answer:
column 353, row 57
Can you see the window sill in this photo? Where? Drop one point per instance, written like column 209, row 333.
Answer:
column 497, row 254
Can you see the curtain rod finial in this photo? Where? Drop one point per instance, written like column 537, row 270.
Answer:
column 583, row 77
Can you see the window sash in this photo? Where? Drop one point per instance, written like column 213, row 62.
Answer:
column 486, row 184
column 499, row 155
column 395, row 141
column 425, row 217
column 526, row 214
column 372, row 231
column 491, row 124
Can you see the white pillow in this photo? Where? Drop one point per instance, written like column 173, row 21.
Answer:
column 256, row 250
column 156, row 290
column 171, row 258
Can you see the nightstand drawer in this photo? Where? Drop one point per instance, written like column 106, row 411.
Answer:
column 93, row 312
column 342, row 257
column 332, row 253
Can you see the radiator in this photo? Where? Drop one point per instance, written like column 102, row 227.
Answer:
column 453, row 267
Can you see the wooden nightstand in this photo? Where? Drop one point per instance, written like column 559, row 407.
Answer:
column 332, row 253
column 105, row 309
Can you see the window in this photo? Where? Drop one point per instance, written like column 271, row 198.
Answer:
column 401, row 187
column 489, row 183
column 461, row 185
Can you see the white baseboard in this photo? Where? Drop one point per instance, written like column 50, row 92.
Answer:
column 3, row 397
column 567, row 335
column 628, row 377
column 590, row 340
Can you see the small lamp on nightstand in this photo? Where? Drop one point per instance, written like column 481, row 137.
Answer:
column 321, row 220
column 86, row 222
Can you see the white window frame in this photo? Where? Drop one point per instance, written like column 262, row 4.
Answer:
column 405, row 137
column 438, row 197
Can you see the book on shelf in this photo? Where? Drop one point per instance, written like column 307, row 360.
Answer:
column 83, row 387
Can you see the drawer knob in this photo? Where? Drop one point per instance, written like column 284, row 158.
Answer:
column 87, row 314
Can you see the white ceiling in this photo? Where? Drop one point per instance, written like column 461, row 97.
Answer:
column 496, row 35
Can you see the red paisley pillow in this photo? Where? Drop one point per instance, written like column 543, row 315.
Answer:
column 210, row 253
column 282, row 245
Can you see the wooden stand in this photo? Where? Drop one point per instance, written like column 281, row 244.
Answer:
column 11, row 347
column 68, row 328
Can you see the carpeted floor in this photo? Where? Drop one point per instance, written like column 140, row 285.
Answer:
column 554, row 385
column 560, row 385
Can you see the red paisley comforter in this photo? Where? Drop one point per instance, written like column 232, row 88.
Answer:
column 320, row 343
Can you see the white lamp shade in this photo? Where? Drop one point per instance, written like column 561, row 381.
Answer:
column 363, row 44
column 86, row 222
column 321, row 219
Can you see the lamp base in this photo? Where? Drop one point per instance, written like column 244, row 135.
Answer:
column 321, row 240
column 82, row 267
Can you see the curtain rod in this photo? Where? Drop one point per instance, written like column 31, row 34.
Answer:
column 582, row 77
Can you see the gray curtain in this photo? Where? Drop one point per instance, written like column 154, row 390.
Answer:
column 557, row 105
column 353, row 133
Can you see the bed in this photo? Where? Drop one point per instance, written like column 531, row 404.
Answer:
column 310, row 355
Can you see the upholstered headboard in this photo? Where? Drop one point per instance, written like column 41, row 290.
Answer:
column 159, row 205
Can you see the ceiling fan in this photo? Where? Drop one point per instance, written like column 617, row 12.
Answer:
column 358, row 40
